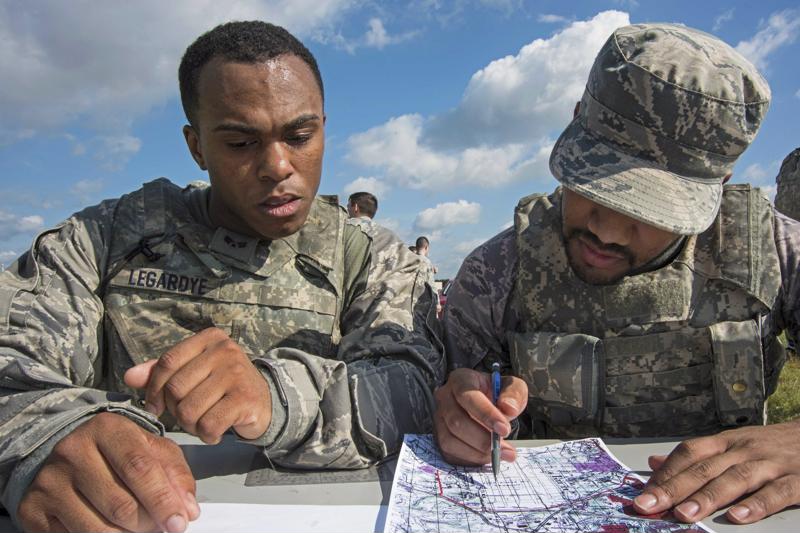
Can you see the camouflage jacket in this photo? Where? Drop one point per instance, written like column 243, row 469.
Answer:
column 337, row 317
column 483, row 312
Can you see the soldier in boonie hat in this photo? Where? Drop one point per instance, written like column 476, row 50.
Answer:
column 642, row 298
column 661, row 125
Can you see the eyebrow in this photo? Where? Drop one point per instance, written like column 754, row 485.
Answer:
column 244, row 128
column 301, row 120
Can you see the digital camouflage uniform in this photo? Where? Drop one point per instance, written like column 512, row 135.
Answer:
column 622, row 359
column 787, row 198
column 688, row 344
column 337, row 317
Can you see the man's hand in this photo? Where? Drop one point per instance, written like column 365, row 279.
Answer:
column 704, row 474
column 111, row 475
column 465, row 416
column 209, row 385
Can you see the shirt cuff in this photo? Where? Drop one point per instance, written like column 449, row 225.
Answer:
column 26, row 470
column 279, row 407
column 296, row 399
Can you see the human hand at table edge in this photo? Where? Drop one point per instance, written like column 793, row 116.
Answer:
column 465, row 416
column 209, row 385
column 110, row 474
column 704, row 474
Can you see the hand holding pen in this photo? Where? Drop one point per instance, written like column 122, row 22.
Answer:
column 466, row 414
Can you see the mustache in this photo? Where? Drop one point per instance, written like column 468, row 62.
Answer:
column 595, row 241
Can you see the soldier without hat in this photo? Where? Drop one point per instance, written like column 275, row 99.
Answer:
column 250, row 305
column 362, row 205
column 642, row 298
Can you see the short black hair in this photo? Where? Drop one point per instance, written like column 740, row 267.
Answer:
column 422, row 242
column 366, row 202
column 245, row 42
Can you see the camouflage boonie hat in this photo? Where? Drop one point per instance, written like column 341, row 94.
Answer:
column 666, row 112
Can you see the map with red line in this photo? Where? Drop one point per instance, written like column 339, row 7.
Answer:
column 566, row 487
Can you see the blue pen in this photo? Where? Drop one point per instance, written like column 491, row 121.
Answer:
column 495, row 436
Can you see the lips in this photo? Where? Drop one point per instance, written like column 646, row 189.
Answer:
column 598, row 258
column 284, row 205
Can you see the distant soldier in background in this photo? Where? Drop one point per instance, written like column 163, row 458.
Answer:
column 422, row 247
column 362, row 204
column 787, row 199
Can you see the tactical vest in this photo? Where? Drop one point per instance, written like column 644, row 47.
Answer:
column 170, row 277
column 671, row 352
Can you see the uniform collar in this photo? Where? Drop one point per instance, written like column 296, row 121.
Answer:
column 263, row 258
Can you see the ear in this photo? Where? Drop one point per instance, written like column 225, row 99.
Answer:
column 193, row 142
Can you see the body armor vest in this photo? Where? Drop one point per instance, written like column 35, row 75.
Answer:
column 670, row 352
column 170, row 277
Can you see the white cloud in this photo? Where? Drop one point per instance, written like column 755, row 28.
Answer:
column 432, row 235
column 770, row 190
column 113, row 152
column 86, row 190
column 398, row 149
column 378, row 37
column 532, row 93
column 12, row 225
column 395, row 226
column 797, row 94
column 780, row 29
column 449, row 12
column 7, row 257
column 78, row 148
column 507, row 6
column 722, row 18
column 760, row 174
column 503, row 128
column 548, row 18
column 448, row 214
column 367, row 184
column 83, row 59
column 754, row 173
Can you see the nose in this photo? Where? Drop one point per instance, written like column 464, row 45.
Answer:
column 610, row 226
column 275, row 165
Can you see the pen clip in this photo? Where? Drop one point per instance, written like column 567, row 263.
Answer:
column 495, row 382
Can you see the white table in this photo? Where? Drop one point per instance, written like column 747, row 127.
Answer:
column 221, row 470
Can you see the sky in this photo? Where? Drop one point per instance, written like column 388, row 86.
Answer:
column 445, row 109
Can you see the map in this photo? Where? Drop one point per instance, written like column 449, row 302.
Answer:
column 566, row 487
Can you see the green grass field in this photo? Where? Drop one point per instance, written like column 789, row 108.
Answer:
column 785, row 403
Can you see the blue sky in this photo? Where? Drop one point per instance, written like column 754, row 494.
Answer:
column 446, row 109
